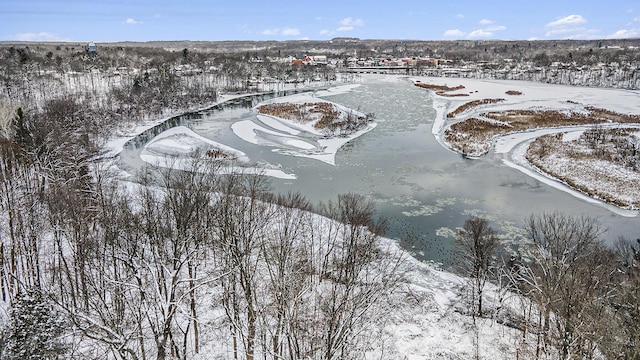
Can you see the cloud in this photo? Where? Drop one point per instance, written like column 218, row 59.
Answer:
column 132, row 21
column 460, row 16
column 454, row 33
column 270, row 32
column 290, row 32
column 479, row 34
column 636, row 19
column 350, row 22
column 570, row 27
column 570, row 20
column 318, row 18
column 281, row 32
column 346, row 24
column 40, row 36
column 486, row 32
column 495, row 28
column 625, row 34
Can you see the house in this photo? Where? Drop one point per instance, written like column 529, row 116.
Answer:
column 320, row 59
column 92, row 48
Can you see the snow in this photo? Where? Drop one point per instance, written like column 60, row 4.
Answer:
column 293, row 138
column 115, row 145
column 429, row 325
column 535, row 96
column 277, row 124
column 572, row 135
column 174, row 148
column 514, row 146
column 424, row 322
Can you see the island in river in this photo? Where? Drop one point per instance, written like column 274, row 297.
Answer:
column 586, row 138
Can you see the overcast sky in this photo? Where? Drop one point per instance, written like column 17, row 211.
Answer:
column 120, row 20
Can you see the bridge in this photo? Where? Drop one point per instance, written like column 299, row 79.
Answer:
column 380, row 69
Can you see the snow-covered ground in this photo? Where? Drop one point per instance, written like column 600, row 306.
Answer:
column 535, row 96
column 426, row 323
column 296, row 138
column 115, row 145
column 174, row 147
column 514, row 148
column 429, row 323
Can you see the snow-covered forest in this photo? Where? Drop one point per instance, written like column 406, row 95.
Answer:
column 199, row 265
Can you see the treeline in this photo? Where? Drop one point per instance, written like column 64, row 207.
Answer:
column 123, row 78
column 114, row 85
column 96, row 268
column 179, row 263
column 186, row 263
column 572, row 296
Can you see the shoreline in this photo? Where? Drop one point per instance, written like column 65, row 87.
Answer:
column 533, row 96
column 173, row 142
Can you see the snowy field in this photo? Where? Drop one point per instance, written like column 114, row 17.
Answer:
column 427, row 322
column 535, row 96
column 175, row 147
column 295, row 138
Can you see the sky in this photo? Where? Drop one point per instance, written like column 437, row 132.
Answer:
column 148, row 20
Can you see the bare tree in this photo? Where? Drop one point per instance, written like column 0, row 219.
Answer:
column 356, row 275
column 241, row 217
column 476, row 244
column 287, row 262
column 565, row 278
column 622, row 338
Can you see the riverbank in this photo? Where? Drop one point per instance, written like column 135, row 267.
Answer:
column 477, row 124
column 292, row 126
column 173, row 147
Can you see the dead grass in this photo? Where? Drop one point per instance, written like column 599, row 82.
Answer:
column 435, row 87
column 471, row 104
column 612, row 116
column 442, row 90
column 325, row 115
column 582, row 166
column 322, row 112
column 473, row 136
column 500, row 123
column 443, row 93
column 513, row 92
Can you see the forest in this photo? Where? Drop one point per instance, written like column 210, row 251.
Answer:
column 181, row 263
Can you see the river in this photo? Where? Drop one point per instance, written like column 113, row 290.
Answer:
column 424, row 190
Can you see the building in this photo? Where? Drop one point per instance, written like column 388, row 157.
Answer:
column 92, row 48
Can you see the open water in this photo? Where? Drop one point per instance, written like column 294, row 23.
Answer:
column 424, row 190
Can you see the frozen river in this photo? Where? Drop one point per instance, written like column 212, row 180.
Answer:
column 423, row 189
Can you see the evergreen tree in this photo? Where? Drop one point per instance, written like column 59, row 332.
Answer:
column 34, row 331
